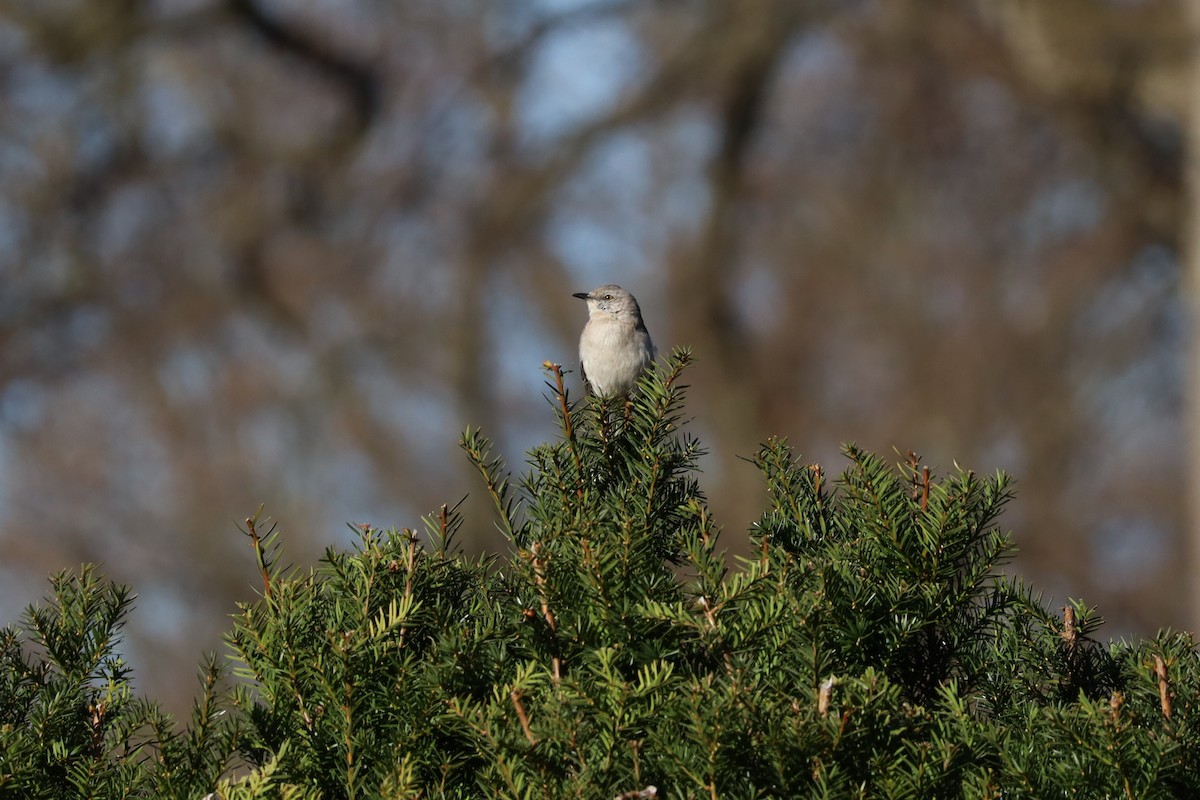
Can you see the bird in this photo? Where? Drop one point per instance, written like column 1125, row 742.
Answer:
column 615, row 346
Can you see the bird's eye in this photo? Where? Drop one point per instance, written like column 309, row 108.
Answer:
column 608, row 297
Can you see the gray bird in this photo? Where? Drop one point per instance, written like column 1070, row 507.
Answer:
column 615, row 346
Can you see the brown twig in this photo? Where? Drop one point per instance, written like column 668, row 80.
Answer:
column 1164, row 686
column 1115, row 701
column 708, row 612
column 539, row 575
column 711, row 616
column 1069, row 633
column 824, row 695
column 515, row 696
column 921, row 484
column 705, row 539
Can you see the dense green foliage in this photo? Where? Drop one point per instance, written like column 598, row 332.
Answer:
column 870, row 648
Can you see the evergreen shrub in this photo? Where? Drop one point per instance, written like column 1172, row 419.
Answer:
column 870, row 647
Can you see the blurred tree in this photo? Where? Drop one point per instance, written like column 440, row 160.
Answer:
column 280, row 251
column 1191, row 230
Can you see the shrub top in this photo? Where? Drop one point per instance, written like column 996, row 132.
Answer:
column 872, row 647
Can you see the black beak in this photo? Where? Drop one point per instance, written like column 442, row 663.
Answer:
column 581, row 295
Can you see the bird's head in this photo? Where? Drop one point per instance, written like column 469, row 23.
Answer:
column 613, row 301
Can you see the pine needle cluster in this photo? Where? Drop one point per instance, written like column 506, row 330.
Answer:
column 871, row 646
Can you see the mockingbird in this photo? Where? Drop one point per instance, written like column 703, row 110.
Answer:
column 615, row 346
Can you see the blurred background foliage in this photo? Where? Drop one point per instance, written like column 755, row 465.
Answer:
column 284, row 251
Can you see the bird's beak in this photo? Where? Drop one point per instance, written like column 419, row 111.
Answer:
column 581, row 295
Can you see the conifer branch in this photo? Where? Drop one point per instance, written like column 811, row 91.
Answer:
column 410, row 554
column 479, row 451
column 261, row 546
column 564, row 410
